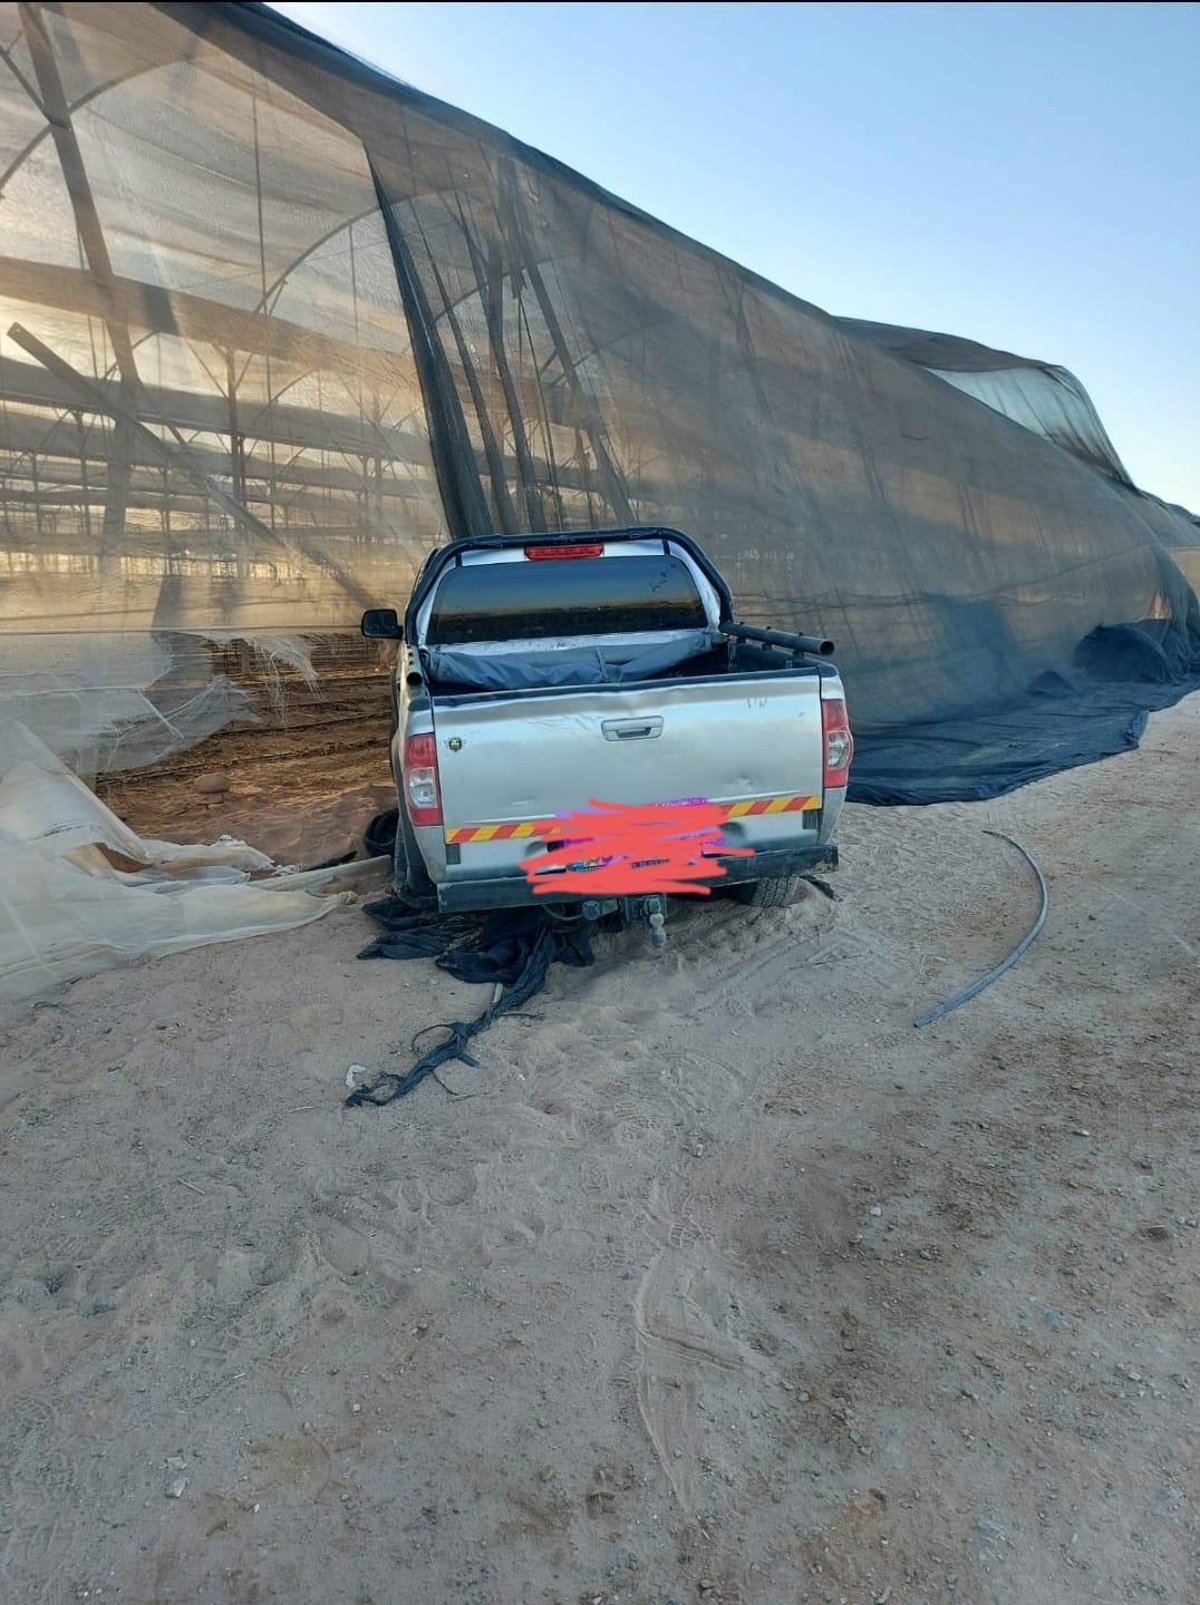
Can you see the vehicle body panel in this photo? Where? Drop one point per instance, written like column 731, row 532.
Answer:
column 749, row 740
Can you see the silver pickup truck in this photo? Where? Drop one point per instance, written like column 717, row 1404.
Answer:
column 541, row 676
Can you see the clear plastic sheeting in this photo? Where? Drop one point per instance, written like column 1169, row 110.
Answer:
column 271, row 651
column 108, row 702
column 81, row 892
column 273, row 325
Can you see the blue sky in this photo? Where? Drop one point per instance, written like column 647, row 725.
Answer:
column 1026, row 175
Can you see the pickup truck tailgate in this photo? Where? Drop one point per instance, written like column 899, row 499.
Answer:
column 752, row 742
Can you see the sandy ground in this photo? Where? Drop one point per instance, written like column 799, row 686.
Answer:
column 718, row 1281
column 300, row 785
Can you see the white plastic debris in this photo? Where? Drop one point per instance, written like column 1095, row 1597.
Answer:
column 66, row 911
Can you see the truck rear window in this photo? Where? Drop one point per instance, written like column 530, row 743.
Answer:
column 568, row 596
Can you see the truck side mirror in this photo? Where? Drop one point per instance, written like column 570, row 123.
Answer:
column 382, row 624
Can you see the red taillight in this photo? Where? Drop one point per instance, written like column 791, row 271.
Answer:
column 580, row 549
column 839, row 743
column 421, row 795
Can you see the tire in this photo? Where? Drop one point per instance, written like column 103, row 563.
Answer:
column 379, row 837
column 408, row 872
column 777, row 893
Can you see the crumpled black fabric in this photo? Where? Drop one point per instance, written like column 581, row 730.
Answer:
column 514, row 947
column 1067, row 720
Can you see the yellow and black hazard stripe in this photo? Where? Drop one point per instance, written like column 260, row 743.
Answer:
column 788, row 803
column 496, row 833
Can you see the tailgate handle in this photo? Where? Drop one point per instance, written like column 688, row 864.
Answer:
column 631, row 729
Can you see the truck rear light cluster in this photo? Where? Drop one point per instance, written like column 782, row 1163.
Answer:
column 422, row 796
column 838, row 741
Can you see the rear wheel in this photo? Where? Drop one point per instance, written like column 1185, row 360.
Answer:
column 777, row 893
column 377, row 840
column 408, row 872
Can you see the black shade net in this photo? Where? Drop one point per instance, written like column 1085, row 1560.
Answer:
column 273, row 325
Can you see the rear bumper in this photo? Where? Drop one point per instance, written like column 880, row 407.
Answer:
column 514, row 891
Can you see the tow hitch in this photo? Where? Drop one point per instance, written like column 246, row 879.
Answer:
column 631, row 909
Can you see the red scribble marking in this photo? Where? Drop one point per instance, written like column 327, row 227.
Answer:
column 632, row 849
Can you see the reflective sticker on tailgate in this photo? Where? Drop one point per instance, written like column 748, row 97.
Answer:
column 786, row 803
